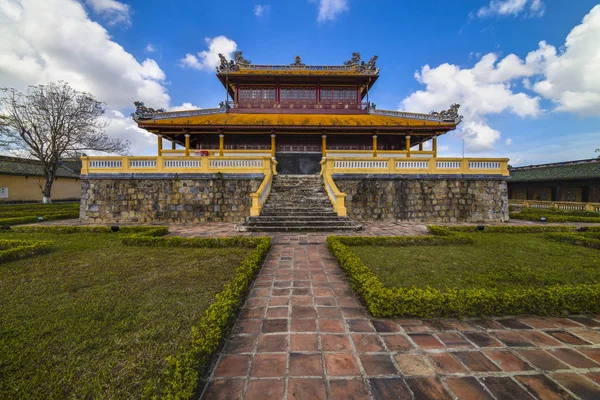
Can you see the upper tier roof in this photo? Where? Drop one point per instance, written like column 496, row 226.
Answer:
column 353, row 67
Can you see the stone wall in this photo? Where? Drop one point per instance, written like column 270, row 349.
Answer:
column 464, row 199
column 167, row 199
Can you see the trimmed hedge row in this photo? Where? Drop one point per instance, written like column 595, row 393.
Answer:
column 184, row 369
column 505, row 229
column 132, row 230
column 429, row 302
column 534, row 214
column 11, row 250
column 177, row 241
column 579, row 239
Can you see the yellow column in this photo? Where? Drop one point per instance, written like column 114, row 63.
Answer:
column 187, row 144
column 272, row 145
column 374, row 145
column 434, row 146
column 221, row 144
column 159, row 145
column 324, row 145
column 407, row 146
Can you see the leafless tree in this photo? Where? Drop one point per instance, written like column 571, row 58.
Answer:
column 51, row 122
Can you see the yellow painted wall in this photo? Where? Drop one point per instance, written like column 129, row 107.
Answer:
column 21, row 188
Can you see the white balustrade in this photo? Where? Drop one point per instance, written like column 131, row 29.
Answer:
column 484, row 165
column 412, row 164
column 236, row 163
column 361, row 164
column 142, row 163
column 183, row 163
column 105, row 164
column 447, row 164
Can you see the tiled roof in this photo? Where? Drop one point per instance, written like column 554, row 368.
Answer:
column 565, row 171
column 294, row 119
column 27, row 167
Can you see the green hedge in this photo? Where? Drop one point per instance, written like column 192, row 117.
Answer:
column 31, row 219
column 11, row 250
column 131, row 230
column 184, row 369
column 505, row 229
column 534, row 214
column 429, row 302
column 580, row 239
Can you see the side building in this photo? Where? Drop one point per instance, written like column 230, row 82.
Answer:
column 294, row 119
column 570, row 181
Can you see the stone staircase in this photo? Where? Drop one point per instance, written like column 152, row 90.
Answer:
column 298, row 203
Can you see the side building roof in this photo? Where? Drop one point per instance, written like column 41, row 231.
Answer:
column 563, row 171
column 28, row 167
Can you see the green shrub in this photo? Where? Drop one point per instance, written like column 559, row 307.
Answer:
column 504, row 229
column 31, row 219
column 131, row 230
column 11, row 250
column 551, row 215
column 579, row 239
column 184, row 369
column 429, row 302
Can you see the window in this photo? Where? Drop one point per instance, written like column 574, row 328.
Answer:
column 3, row 192
column 338, row 95
column 257, row 94
column 298, row 94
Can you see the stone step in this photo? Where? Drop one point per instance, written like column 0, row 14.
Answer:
column 290, row 223
column 330, row 217
column 306, row 228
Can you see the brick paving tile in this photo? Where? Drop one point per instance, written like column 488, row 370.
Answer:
column 507, row 361
column 482, row 339
column 454, row 340
column 268, row 365
column 265, row 389
column 414, row 364
column 348, row 389
column 567, row 337
column 304, row 342
column 272, row 343
column 305, row 365
column 574, row 358
column 505, row 388
column 426, row 341
column 542, row 360
column 445, row 363
column 229, row 389
column 428, row 388
column 303, row 334
column 341, row 365
column 365, row 343
column 476, row 361
column 306, row 389
column 543, row 387
column 578, row 384
column 233, row 366
column 389, row 389
column 467, row 388
column 397, row 342
column 377, row 364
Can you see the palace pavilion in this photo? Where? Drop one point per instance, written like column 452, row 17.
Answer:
column 302, row 120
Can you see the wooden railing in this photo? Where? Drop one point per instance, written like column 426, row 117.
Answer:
column 260, row 197
column 556, row 205
column 405, row 166
column 176, row 164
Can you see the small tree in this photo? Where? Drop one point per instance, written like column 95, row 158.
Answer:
column 51, row 122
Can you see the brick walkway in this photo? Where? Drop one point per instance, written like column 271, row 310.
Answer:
column 303, row 335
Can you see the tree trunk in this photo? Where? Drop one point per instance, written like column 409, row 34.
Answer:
column 46, row 191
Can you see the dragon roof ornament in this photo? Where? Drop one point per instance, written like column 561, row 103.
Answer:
column 450, row 114
column 143, row 112
column 354, row 64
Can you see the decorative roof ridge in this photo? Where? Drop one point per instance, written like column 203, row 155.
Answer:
column 142, row 112
column 450, row 115
column 239, row 63
column 557, row 164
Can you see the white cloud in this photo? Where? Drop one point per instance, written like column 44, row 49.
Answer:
column 569, row 79
column 330, row 9
column 114, row 11
column 44, row 41
column 508, row 142
column 124, row 127
column 208, row 60
column 531, row 8
column 149, row 48
column 183, row 107
column 261, row 10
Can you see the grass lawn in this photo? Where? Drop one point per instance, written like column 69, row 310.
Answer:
column 494, row 260
column 14, row 214
column 96, row 319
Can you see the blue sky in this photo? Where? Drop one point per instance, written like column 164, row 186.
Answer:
column 541, row 110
